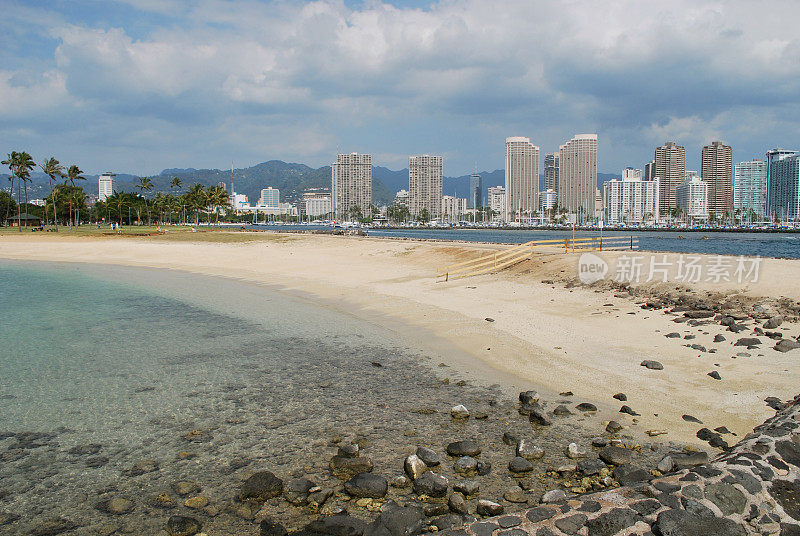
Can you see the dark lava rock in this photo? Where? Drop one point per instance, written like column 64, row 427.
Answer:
column 682, row 523
column 520, row 465
column 714, row 374
column 689, row 418
column 457, row 503
column 529, row 397
column 463, row 448
column 719, row 338
column 53, row 526
column 590, row 467
column 510, row 438
column 789, row 451
column 622, row 397
column 466, row 466
column 270, row 527
column 729, row 499
column 775, row 403
column 562, row 411
column 337, row 525
column 431, row 484
column 572, row 524
column 748, row 341
column 697, row 314
column 586, row 406
column 540, row 513
column 261, row 486
column 297, row 491
column 628, row 410
column 613, row 427
column 787, row 493
column 786, row 344
column 396, row 520
column 612, row 522
column 488, row 508
column 737, row 328
column 627, row 474
column 183, row 526
column 773, row 322
column 344, row 468
column 652, row 365
column 673, row 335
column 428, row 456
column 367, row 485
column 615, row 455
column 539, row 416
column 686, row 460
column 483, row 467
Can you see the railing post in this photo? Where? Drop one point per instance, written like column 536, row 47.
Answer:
column 631, row 242
column 566, row 245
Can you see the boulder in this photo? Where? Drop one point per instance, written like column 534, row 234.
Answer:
column 457, row 503
column 627, row 474
column 786, row 345
column 183, row 526
column 261, row 486
column 345, row 468
column 614, row 455
column 466, row 466
column 488, row 508
column 683, row 523
column 431, row 484
column 539, row 416
column 773, row 322
column 529, row 451
column 463, row 448
column 428, row 456
column 414, row 466
column 748, row 341
column 529, row 397
column 719, row 338
column 613, row 427
column 652, row 365
column 520, row 465
column 336, row 525
column 367, row 485
column 586, row 406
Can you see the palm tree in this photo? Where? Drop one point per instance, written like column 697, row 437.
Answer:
column 11, row 162
column 218, row 197
column 24, row 166
column 176, row 184
column 53, row 169
column 197, row 198
column 74, row 173
column 145, row 185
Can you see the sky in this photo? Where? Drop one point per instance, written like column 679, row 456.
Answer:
column 137, row 86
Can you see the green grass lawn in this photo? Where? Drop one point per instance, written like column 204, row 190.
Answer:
column 151, row 232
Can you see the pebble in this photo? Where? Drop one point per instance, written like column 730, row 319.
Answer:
column 622, row 397
column 529, row 451
column 573, row 451
column 652, row 365
column 414, row 466
column 459, row 412
column 488, row 508
column 428, row 456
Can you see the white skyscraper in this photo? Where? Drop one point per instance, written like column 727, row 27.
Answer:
column 692, row 197
column 522, row 177
column 631, row 200
column 351, row 185
column 577, row 175
column 105, row 186
column 750, row 188
column 425, row 185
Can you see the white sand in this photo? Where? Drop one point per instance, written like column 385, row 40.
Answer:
column 544, row 337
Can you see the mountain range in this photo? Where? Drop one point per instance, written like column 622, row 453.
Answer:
column 290, row 178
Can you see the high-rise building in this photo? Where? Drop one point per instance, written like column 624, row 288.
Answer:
column 577, row 175
column 692, row 197
column 270, row 197
column 497, row 201
column 750, row 188
column 630, row 199
column 783, row 177
column 551, row 162
column 522, row 177
column 717, row 171
column 548, row 200
column 351, row 185
column 670, row 168
column 453, row 208
column 649, row 171
column 425, row 185
column 475, row 191
column 105, row 186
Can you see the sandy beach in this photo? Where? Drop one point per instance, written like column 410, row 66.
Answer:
column 528, row 327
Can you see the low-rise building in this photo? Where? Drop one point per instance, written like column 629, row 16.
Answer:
column 453, row 208
column 692, row 197
column 497, row 201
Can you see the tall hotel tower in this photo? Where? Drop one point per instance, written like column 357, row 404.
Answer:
column 717, row 172
column 425, row 185
column 577, row 175
column 351, row 184
column 670, row 169
column 522, row 177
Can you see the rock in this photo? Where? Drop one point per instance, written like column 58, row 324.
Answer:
column 773, row 322
column 367, row 485
column 728, row 499
column 573, row 451
column 141, row 468
column 510, row 438
column 529, row 451
column 719, row 338
column 466, row 466
column 261, row 486
column 463, row 448
column 115, row 506
column 336, row 525
column 483, row 468
column 185, row 487
column 457, row 503
column 612, row 522
column 520, row 465
column 467, row 487
column 562, row 411
column 459, row 412
column 183, row 526
column 665, row 465
column 748, row 341
column 52, row 526
column 516, row 495
column 297, row 491
column 554, row 496
column 270, row 527
column 318, row 498
column 628, row 410
column 714, row 374
column 683, row 523
column 7, row 518
column 571, row 524
column 614, row 455
column 196, row 503
column 775, row 403
column 345, row 468
column 590, row 467
column 428, row 456
column 627, row 474
column 673, row 335
column 698, row 314
column 539, row 416
column 652, row 365
column 622, row 397
column 431, row 484
column 586, row 406
column 400, row 482
column 529, row 397
column 689, row 418
column 414, row 466
column 488, row 508
column 687, row 460
column 613, row 427
column 85, row 450
column 698, row 347
column 786, row 345
column 349, row 450
column 599, row 442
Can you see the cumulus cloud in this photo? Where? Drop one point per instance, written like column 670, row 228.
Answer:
column 296, row 80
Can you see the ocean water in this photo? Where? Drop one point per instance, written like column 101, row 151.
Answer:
column 103, row 370
column 782, row 245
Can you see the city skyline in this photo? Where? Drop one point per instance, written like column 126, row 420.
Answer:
column 149, row 86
